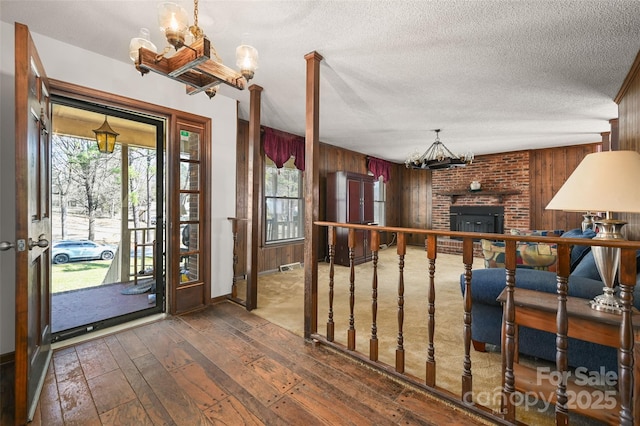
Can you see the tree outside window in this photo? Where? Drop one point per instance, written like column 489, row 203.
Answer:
column 379, row 201
column 284, row 202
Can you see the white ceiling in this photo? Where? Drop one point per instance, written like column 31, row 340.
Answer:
column 495, row 76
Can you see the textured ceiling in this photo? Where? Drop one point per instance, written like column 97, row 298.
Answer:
column 493, row 75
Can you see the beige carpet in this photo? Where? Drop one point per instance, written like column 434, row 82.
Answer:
column 281, row 295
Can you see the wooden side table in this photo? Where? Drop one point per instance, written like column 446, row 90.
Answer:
column 537, row 310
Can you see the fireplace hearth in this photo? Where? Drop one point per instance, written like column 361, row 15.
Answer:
column 488, row 219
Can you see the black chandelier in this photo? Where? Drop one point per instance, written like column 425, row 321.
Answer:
column 437, row 157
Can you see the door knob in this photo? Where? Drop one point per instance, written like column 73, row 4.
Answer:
column 6, row 245
column 42, row 242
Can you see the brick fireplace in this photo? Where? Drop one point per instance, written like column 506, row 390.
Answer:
column 505, row 183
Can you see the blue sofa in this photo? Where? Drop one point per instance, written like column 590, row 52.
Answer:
column 584, row 282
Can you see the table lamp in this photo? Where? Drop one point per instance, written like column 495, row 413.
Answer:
column 608, row 182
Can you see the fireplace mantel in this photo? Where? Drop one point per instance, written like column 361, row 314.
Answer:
column 481, row 193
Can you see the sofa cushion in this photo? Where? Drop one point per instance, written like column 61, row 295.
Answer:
column 579, row 252
column 536, row 232
column 487, row 284
column 541, row 256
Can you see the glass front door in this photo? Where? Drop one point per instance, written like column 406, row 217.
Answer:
column 107, row 218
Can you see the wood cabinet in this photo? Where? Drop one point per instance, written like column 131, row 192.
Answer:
column 350, row 200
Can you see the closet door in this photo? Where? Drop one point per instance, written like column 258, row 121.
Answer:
column 367, row 199
column 354, row 199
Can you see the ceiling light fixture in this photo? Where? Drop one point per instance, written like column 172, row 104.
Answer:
column 437, row 157
column 106, row 137
column 196, row 64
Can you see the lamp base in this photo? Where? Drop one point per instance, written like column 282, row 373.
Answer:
column 607, row 260
column 607, row 302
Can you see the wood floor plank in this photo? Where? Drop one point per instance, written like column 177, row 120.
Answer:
column 49, row 409
column 130, row 413
column 264, row 392
column 163, row 346
column 325, row 405
column 295, row 413
column 177, row 403
column 201, row 388
column 76, row 402
column 231, row 412
column 132, row 344
column 271, row 371
column 353, row 399
column 67, row 365
column 95, row 358
column 226, row 381
column 148, row 399
column 110, row 390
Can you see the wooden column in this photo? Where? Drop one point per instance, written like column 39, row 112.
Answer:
column 253, row 195
column 311, row 194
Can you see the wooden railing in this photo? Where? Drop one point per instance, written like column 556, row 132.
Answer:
column 627, row 389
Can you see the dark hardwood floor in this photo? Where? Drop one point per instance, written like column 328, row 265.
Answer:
column 223, row 365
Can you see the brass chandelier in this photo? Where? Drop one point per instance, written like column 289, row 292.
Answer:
column 196, row 64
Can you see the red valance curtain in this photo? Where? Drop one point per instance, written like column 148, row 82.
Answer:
column 379, row 168
column 280, row 146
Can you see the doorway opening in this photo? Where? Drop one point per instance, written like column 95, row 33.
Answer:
column 108, row 209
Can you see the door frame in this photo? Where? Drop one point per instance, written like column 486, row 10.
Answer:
column 174, row 119
column 161, row 124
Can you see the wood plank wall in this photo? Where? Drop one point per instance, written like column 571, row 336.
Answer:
column 549, row 169
column 331, row 159
column 413, row 201
column 629, row 120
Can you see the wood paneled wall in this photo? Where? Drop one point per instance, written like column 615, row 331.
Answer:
column 628, row 100
column 412, row 204
column 549, row 169
column 332, row 159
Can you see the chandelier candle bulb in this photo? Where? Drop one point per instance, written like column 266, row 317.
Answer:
column 174, row 22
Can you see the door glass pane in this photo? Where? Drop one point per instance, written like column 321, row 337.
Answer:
column 189, row 207
column 189, row 237
column 189, row 145
column 189, row 176
column 189, row 269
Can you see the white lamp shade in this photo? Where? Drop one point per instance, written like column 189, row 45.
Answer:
column 606, row 181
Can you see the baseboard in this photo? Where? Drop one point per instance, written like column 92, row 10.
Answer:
column 7, row 358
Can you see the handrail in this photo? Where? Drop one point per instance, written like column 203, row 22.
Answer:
column 489, row 236
column 627, row 277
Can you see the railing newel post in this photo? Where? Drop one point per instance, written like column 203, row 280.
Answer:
column 431, row 245
column 402, row 251
column 332, row 253
column 351, row 332
column 467, row 377
column 373, row 342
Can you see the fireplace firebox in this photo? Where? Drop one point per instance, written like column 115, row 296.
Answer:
column 488, row 219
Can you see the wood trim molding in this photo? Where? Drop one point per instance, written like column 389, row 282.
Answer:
column 631, row 76
column 63, row 88
column 8, row 358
